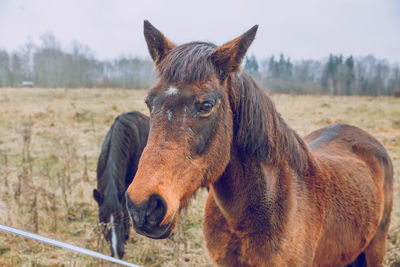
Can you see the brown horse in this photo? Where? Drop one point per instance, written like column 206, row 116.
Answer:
column 275, row 199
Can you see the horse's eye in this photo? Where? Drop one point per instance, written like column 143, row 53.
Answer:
column 205, row 108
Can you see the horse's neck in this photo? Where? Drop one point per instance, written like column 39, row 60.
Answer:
column 109, row 183
column 248, row 192
column 118, row 167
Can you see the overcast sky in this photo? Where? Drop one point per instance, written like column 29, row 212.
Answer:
column 299, row 29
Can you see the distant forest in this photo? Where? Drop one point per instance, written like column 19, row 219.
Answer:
column 50, row 65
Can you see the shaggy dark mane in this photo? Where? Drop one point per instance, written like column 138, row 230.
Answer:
column 188, row 63
column 260, row 131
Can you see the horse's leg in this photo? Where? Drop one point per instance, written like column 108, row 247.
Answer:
column 376, row 250
column 374, row 254
column 359, row 262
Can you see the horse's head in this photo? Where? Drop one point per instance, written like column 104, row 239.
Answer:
column 191, row 127
column 112, row 214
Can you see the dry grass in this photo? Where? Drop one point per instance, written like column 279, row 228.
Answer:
column 49, row 143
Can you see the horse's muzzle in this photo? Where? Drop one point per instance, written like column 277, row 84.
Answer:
column 147, row 217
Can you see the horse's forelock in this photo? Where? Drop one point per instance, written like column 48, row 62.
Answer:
column 189, row 63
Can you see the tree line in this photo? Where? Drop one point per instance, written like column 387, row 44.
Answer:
column 49, row 65
column 336, row 75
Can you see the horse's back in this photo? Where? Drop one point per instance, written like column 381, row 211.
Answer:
column 357, row 176
column 136, row 121
column 130, row 131
column 123, row 146
column 346, row 140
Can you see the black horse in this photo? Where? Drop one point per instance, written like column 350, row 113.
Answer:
column 117, row 165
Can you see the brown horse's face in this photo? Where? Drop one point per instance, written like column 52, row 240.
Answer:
column 191, row 132
column 188, row 148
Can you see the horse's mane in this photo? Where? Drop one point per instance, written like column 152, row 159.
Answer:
column 116, row 151
column 260, row 131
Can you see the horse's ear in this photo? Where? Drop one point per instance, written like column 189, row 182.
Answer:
column 98, row 196
column 156, row 42
column 228, row 57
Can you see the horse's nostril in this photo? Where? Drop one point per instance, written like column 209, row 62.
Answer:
column 157, row 214
column 147, row 217
column 152, row 206
column 156, row 210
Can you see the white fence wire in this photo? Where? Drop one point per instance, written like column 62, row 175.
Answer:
column 65, row 245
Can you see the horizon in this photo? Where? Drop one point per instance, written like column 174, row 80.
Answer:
column 67, row 48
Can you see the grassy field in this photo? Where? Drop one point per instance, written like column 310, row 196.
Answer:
column 49, row 143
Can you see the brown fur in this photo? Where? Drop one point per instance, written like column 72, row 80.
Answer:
column 274, row 200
